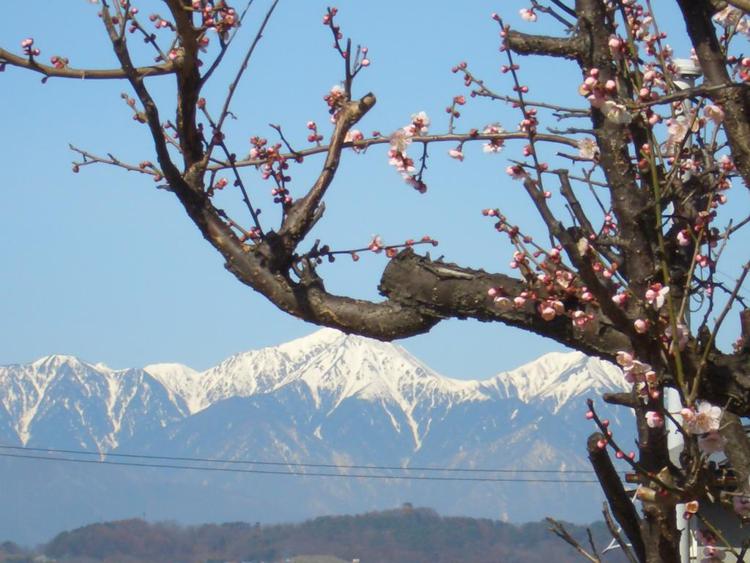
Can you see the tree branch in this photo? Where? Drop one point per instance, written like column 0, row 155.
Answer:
column 83, row 74
column 445, row 290
column 305, row 212
column 563, row 47
column 622, row 507
column 734, row 101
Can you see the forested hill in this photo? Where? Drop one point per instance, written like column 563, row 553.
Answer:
column 412, row 535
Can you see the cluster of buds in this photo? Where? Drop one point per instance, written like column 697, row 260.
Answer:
column 314, row 136
column 328, row 21
column 335, row 98
column 275, row 166
column 219, row 185
column 216, row 15
column 160, row 23
column 400, row 141
column 138, row 116
column 529, row 122
column 354, row 136
column 647, row 383
column 28, row 48
column 599, row 96
column 463, row 67
column 376, row 246
column 493, row 145
column 59, row 62
column 451, row 109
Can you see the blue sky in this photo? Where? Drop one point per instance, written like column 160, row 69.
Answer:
column 104, row 266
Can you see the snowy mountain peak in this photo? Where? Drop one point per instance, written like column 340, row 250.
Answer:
column 329, row 368
column 559, row 377
column 54, row 361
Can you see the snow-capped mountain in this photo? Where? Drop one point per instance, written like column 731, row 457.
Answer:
column 64, row 401
column 329, row 399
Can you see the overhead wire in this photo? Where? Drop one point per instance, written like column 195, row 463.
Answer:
column 295, row 464
column 377, row 475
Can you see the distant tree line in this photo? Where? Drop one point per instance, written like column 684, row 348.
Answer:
column 413, row 535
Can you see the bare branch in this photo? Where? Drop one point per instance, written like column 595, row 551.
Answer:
column 84, row 74
column 616, row 534
column 559, row 530
column 425, row 139
column 303, row 214
column 618, row 500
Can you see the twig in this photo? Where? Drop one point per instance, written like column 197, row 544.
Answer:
column 626, row 549
column 454, row 137
column 233, row 86
column 83, row 74
column 225, row 46
column 559, row 530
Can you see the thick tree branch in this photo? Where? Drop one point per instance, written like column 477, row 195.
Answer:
column 119, row 44
column 628, row 202
column 622, row 507
column 188, row 83
column 564, row 47
column 737, row 449
column 305, row 212
column 445, row 290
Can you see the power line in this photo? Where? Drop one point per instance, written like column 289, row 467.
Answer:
column 297, row 464
column 295, row 474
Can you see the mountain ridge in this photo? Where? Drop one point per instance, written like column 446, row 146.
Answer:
column 328, row 398
column 332, row 365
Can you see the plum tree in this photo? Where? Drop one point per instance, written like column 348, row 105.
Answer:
column 636, row 227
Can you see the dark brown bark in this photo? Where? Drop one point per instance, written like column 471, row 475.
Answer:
column 734, row 101
column 622, row 507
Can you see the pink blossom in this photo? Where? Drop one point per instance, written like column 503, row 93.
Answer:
column 615, row 44
column 704, row 420
column 528, row 14
column 376, row 244
column 620, row 299
column 641, row 326
column 683, row 334
column 456, row 153
column 728, row 16
column 495, row 145
column 588, row 149
column 419, row 125
column 581, row 319
column 714, row 113
column 516, row 172
column 656, row 294
column 637, row 371
column 654, row 419
column 624, row 358
column 352, row 136
column 547, row 313
column 683, row 238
